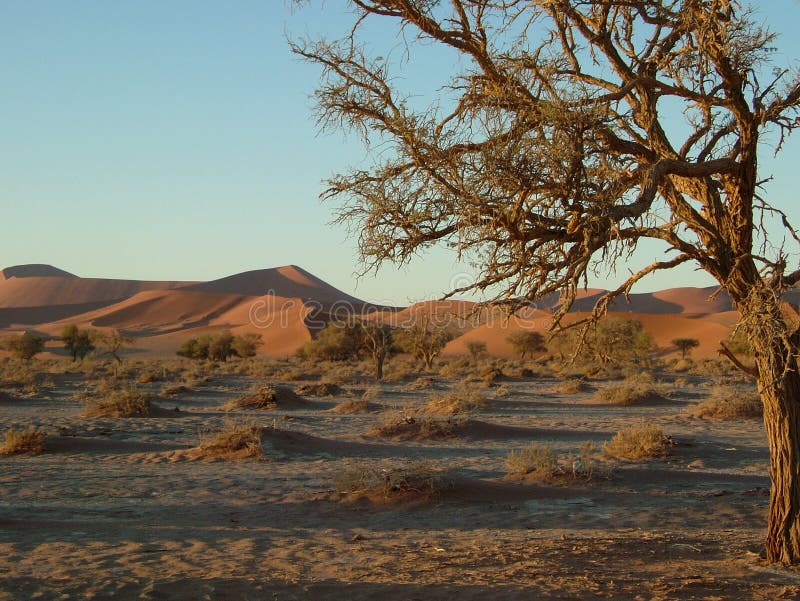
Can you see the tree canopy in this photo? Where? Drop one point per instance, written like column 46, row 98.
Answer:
column 571, row 132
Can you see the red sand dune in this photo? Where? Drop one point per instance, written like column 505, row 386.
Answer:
column 33, row 270
column 288, row 282
column 662, row 327
column 286, row 304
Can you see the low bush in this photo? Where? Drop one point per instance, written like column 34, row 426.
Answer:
column 460, row 401
column 233, row 441
column 352, row 406
column 413, row 477
column 635, row 389
column 267, row 397
column 320, row 390
column 536, row 458
column 400, row 425
column 123, row 402
column 17, row 441
column 637, row 442
column 726, row 402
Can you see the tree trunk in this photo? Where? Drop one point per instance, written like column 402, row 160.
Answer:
column 776, row 346
column 379, row 359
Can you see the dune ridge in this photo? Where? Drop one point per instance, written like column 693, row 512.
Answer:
column 287, row 304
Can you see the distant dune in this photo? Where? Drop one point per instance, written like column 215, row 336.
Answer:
column 34, row 270
column 287, row 304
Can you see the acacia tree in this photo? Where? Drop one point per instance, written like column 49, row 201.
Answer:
column 24, row 346
column 112, row 343
column 422, row 339
column 685, row 345
column 557, row 149
column 526, row 342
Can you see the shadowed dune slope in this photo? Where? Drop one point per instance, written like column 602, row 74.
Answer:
column 34, row 270
column 289, row 281
column 46, row 291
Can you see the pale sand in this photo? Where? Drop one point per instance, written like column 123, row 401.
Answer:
column 123, row 508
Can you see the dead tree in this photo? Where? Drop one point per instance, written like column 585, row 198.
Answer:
column 555, row 151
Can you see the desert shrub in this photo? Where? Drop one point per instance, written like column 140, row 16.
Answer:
column 118, row 402
column 77, row 342
column 502, row 391
column 420, row 477
column 220, row 347
column 536, row 458
column 341, row 374
column 460, row 401
column 476, row 349
column 24, row 347
column 526, row 343
column 642, row 441
column 176, row 390
column 726, row 402
column 320, row 390
column 712, row 368
column 295, row 374
column 352, row 406
column 421, row 383
column 22, row 376
column 401, row 425
column 267, row 397
column 569, row 386
column 423, row 340
column 611, row 343
column 634, row 389
column 457, row 368
column 682, row 365
column 28, row 440
column 234, row 440
column 372, row 393
column 246, row 345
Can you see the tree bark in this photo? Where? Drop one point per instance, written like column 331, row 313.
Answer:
column 779, row 386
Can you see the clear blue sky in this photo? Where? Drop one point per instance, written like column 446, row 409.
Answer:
column 175, row 140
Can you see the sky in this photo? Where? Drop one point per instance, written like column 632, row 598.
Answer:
column 176, row 140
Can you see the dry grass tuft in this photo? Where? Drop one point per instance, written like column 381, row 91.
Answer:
column 421, row 478
column 128, row 402
column 400, row 425
column 176, row 390
column 267, row 397
column 635, row 389
column 234, row 441
column 536, row 458
column 30, row 440
column 320, row 390
column 569, row 386
column 352, row 406
column 421, row 383
column 637, row 442
column 461, row 401
column 726, row 402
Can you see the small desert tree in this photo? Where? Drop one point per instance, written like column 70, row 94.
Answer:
column 475, row 348
column 77, row 342
column 611, row 342
column 568, row 133
column 526, row 343
column 339, row 340
column 376, row 341
column 112, row 343
column 24, row 346
column 246, row 345
column 422, row 339
column 685, row 345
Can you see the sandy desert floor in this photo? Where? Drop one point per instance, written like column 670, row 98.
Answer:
column 117, row 508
